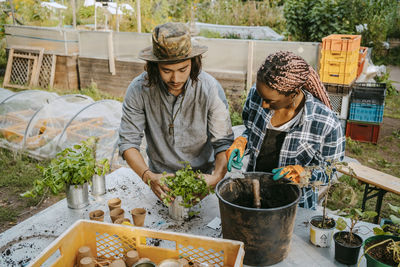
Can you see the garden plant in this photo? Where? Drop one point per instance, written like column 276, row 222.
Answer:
column 73, row 166
column 188, row 184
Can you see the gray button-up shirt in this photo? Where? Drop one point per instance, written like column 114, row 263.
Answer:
column 202, row 126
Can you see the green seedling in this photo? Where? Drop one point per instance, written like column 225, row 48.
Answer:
column 355, row 215
column 75, row 165
column 188, row 184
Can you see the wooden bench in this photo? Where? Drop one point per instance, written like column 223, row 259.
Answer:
column 377, row 183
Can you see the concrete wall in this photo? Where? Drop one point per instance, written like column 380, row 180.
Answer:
column 57, row 41
column 230, row 61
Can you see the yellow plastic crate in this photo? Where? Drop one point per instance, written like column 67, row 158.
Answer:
column 339, row 56
column 111, row 241
column 338, row 77
column 341, row 42
column 339, row 67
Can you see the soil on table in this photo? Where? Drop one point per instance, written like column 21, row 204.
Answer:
column 329, row 223
column 380, row 253
column 343, row 239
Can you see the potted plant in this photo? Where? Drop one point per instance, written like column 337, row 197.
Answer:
column 390, row 226
column 382, row 250
column 348, row 243
column 187, row 188
column 73, row 169
column 322, row 226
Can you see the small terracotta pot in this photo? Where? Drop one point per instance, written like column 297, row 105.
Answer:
column 184, row 262
column 118, row 263
column 116, row 213
column 86, row 262
column 131, row 257
column 97, row 215
column 138, row 216
column 83, row 252
column 114, row 203
column 121, row 220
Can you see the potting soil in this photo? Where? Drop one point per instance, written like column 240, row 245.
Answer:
column 272, row 196
column 380, row 253
column 329, row 223
column 343, row 239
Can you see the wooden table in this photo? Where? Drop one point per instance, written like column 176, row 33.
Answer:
column 377, row 183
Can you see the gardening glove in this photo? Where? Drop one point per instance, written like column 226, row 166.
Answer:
column 235, row 153
column 291, row 172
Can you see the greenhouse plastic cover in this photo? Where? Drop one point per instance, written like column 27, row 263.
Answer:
column 43, row 123
column 4, row 94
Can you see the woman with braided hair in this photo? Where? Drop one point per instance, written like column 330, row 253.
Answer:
column 289, row 124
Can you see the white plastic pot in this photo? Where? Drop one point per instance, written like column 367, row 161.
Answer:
column 321, row 237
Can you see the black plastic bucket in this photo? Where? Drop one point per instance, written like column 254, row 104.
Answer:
column 265, row 232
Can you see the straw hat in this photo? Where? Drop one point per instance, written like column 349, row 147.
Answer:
column 171, row 42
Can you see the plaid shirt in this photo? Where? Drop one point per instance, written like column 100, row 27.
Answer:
column 317, row 137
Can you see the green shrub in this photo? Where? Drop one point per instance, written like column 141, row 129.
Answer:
column 310, row 20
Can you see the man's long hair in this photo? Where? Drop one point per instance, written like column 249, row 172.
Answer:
column 153, row 74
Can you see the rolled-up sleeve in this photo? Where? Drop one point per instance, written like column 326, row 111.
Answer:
column 219, row 122
column 133, row 119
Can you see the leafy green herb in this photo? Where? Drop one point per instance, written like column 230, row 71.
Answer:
column 188, row 184
column 355, row 216
column 74, row 165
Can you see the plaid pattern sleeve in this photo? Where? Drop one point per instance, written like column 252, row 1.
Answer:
column 316, row 139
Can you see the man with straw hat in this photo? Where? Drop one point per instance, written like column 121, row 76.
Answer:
column 181, row 109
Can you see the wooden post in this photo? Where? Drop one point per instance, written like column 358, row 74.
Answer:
column 117, row 18
column 106, row 26
column 138, row 18
column 250, row 53
column 95, row 16
column 12, row 10
column 53, row 70
column 73, row 13
column 111, row 60
column 9, row 67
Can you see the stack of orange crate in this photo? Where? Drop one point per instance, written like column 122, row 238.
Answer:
column 339, row 58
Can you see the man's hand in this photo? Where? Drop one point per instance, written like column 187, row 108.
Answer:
column 235, row 153
column 291, row 172
column 154, row 181
column 211, row 180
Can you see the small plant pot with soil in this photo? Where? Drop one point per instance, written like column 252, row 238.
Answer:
column 321, row 232
column 381, row 250
column 346, row 250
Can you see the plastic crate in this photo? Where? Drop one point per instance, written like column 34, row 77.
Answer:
column 366, row 112
column 338, row 77
column 339, row 56
column 337, row 66
column 340, row 104
column 369, row 93
column 363, row 132
column 111, row 241
column 361, row 59
column 341, row 42
column 338, row 88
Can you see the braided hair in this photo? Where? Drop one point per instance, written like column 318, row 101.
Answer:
column 286, row 72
